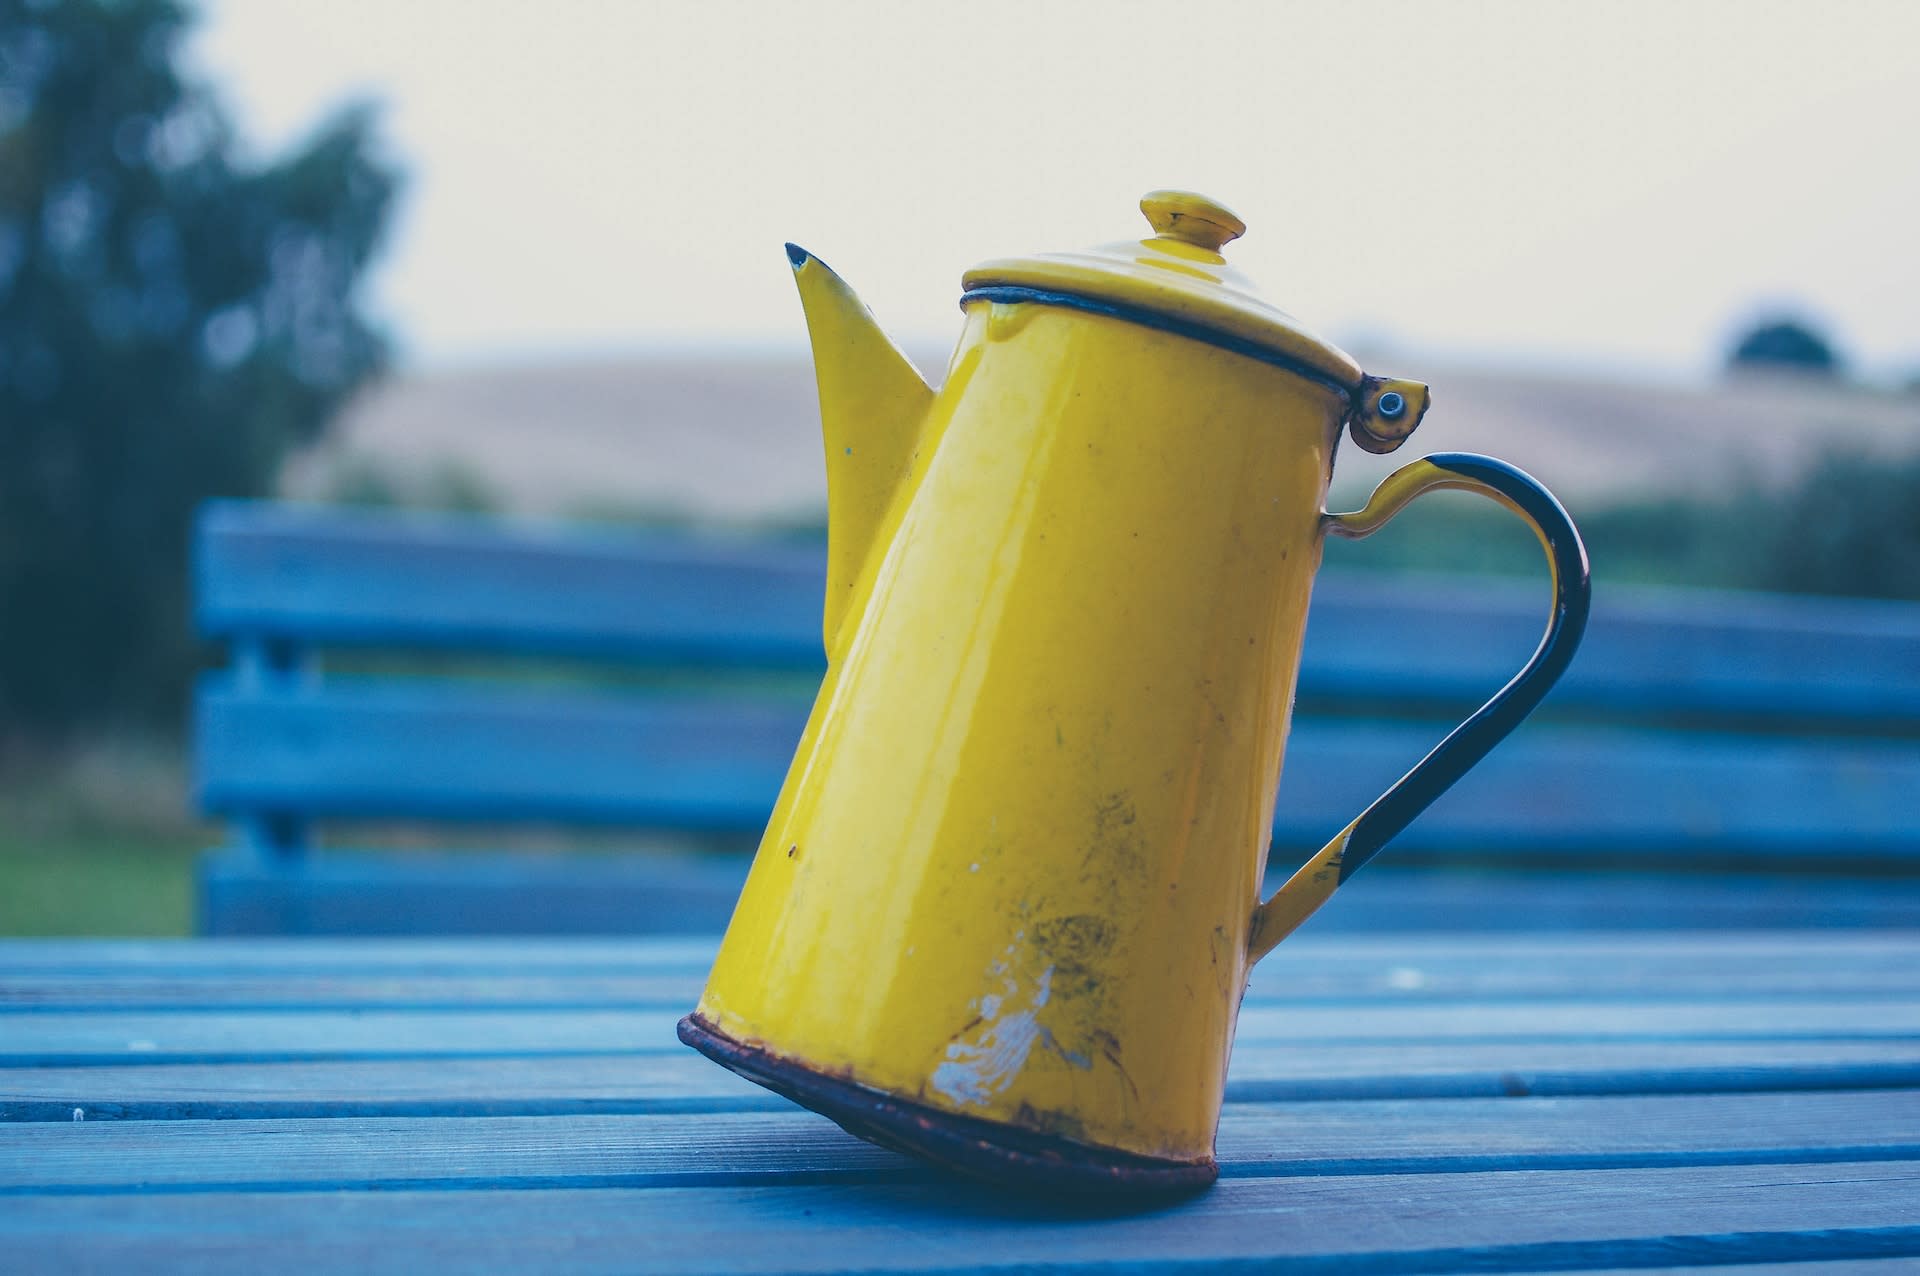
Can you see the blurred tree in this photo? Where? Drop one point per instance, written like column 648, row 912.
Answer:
column 1847, row 524
column 1784, row 343
column 173, row 320
column 1850, row 526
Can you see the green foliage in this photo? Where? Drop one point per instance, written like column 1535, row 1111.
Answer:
column 173, row 320
column 447, row 487
column 1850, row 526
column 1784, row 343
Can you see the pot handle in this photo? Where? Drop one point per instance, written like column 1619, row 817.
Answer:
column 1317, row 879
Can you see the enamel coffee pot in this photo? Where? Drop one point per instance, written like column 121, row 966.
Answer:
column 1006, row 907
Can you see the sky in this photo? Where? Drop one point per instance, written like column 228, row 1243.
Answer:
column 1555, row 184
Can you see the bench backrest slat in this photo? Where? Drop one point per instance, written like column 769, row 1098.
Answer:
column 387, row 749
column 1652, row 653
column 337, row 578
column 1694, row 731
column 330, row 578
column 1698, row 724
column 360, row 747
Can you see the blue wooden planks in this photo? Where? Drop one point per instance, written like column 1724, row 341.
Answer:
column 454, row 893
column 1463, row 1103
column 1592, row 969
column 442, row 749
column 1351, row 1223
column 1650, row 653
column 84, row 1038
column 793, row 1146
column 332, row 577
column 1663, row 797
column 482, row 893
column 505, row 1084
column 1696, row 730
column 284, row 974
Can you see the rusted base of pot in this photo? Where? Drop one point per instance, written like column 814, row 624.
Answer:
column 1001, row 1154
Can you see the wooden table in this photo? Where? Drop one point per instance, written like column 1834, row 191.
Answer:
column 1428, row 1104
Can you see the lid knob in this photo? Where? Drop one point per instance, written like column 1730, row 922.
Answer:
column 1192, row 219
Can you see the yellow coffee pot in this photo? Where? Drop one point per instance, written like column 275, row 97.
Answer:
column 1005, row 909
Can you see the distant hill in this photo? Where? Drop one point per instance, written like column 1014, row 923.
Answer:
column 735, row 438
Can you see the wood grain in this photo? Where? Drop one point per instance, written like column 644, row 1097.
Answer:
column 82, row 1037
column 1417, row 1104
column 790, row 1145
column 1367, row 1223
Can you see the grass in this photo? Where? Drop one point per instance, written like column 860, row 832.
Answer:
column 97, row 840
column 101, row 883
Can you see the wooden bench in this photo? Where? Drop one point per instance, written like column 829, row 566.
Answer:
column 1710, row 760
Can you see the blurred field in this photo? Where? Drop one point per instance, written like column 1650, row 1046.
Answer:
column 735, row 438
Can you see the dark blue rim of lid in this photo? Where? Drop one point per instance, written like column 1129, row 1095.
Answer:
column 1160, row 322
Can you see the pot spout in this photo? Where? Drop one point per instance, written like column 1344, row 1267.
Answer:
column 872, row 406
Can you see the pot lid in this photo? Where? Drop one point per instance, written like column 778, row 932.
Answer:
column 1175, row 279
